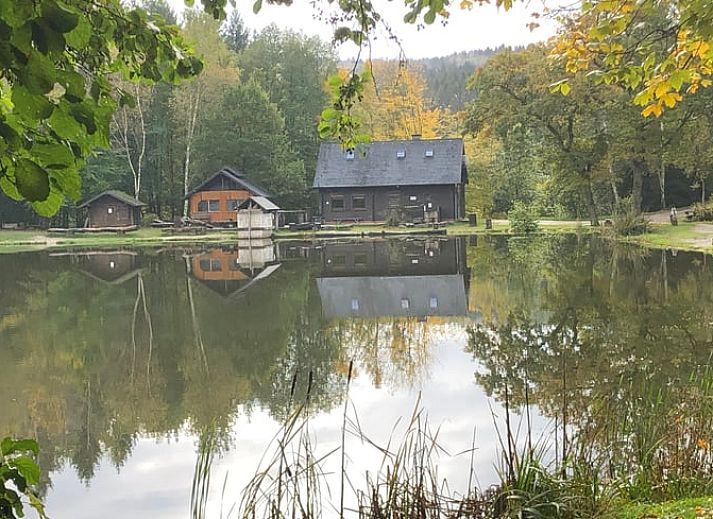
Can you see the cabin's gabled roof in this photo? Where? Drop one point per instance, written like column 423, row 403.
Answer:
column 412, row 162
column 235, row 176
column 116, row 194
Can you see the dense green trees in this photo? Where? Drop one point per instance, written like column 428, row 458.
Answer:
column 580, row 154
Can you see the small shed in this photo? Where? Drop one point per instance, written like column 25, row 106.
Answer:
column 113, row 209
column 256, row 217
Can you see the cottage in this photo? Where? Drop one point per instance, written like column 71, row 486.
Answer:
column 216, row 200
column 113, row 210
column 416, row 179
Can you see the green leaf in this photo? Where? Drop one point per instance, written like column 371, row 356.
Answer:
column 9, row 446
column 30, row 108
column 257, row 6
column 565, row 88
column 59, row 16
column 430, row 17
column 68, row 182
column 65, row 125
column 53, row 155
column 80, row 35
column 31, row 180
column 39, row 74
column 9, row 188
column 28, row 468
column 50, row 205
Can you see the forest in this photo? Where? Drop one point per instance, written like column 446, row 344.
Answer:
column 538, row 132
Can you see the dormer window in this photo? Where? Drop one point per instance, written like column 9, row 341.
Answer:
column 350, row 154
column 400, row 154
column 429, row 153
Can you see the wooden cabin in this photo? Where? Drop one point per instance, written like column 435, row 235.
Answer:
column 113, row 210
column 216, row 200
column 416, row 179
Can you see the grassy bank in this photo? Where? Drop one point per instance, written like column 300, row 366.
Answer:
column 694, row 508
column 17, row 241
column 692, row 236
column 686, row 236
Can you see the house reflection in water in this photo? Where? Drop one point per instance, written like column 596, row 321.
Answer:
column 415, row 278
column 230, row 271
column 112, row 267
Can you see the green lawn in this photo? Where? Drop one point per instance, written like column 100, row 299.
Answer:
column 683, row 236
column 694, row 508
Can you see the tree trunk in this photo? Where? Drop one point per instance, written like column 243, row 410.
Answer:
column 589, row 199
column 192, row 118
column 637, row 184
column 662, row 170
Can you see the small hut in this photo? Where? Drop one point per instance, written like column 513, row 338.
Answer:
column 256, row 218
column 113, row 210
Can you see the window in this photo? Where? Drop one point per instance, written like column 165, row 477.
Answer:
column 339, row 260
column 414, row 261
column 233, row 205
column 203, row 206
column 210, row 265
column 413, row 198
column 109, row 210
column 360, row 260
column 338, row 203
column 355, row 304
column 401, row 154
column 405, row 304
column 429, row 205
column 112, row 265
column 234, row 265
column 350, row 154
column 213, row 205
column 433, row 303
column 429, row 153
column 358, row 202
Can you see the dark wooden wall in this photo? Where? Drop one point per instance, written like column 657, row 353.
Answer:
column 122, row 215
column 448, row 198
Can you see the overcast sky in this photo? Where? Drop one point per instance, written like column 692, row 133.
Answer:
column 480, row 28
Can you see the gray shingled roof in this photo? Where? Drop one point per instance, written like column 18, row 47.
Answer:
column 385, row 296
column 380, row 166
column 118, row 195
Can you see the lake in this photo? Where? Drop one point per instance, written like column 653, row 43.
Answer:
column 130, row 365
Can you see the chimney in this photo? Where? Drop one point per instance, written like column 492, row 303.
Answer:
column 416, row 137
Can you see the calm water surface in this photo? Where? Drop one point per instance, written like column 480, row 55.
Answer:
column 119, row 362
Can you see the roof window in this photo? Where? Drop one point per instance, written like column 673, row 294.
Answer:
column 350, row 154
column 429, row 153
column 400, row 154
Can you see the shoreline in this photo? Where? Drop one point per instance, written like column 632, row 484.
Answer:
column 687, row 236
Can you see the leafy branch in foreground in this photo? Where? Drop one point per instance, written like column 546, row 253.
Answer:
column 56, row 97
column 18, row 467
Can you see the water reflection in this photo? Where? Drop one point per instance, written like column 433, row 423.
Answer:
column 106, row 352
column 386, row 278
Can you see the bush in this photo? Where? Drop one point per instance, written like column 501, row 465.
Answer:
column 148, row 218
column 523, row 218
column 627, row 221
column 703, row 212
